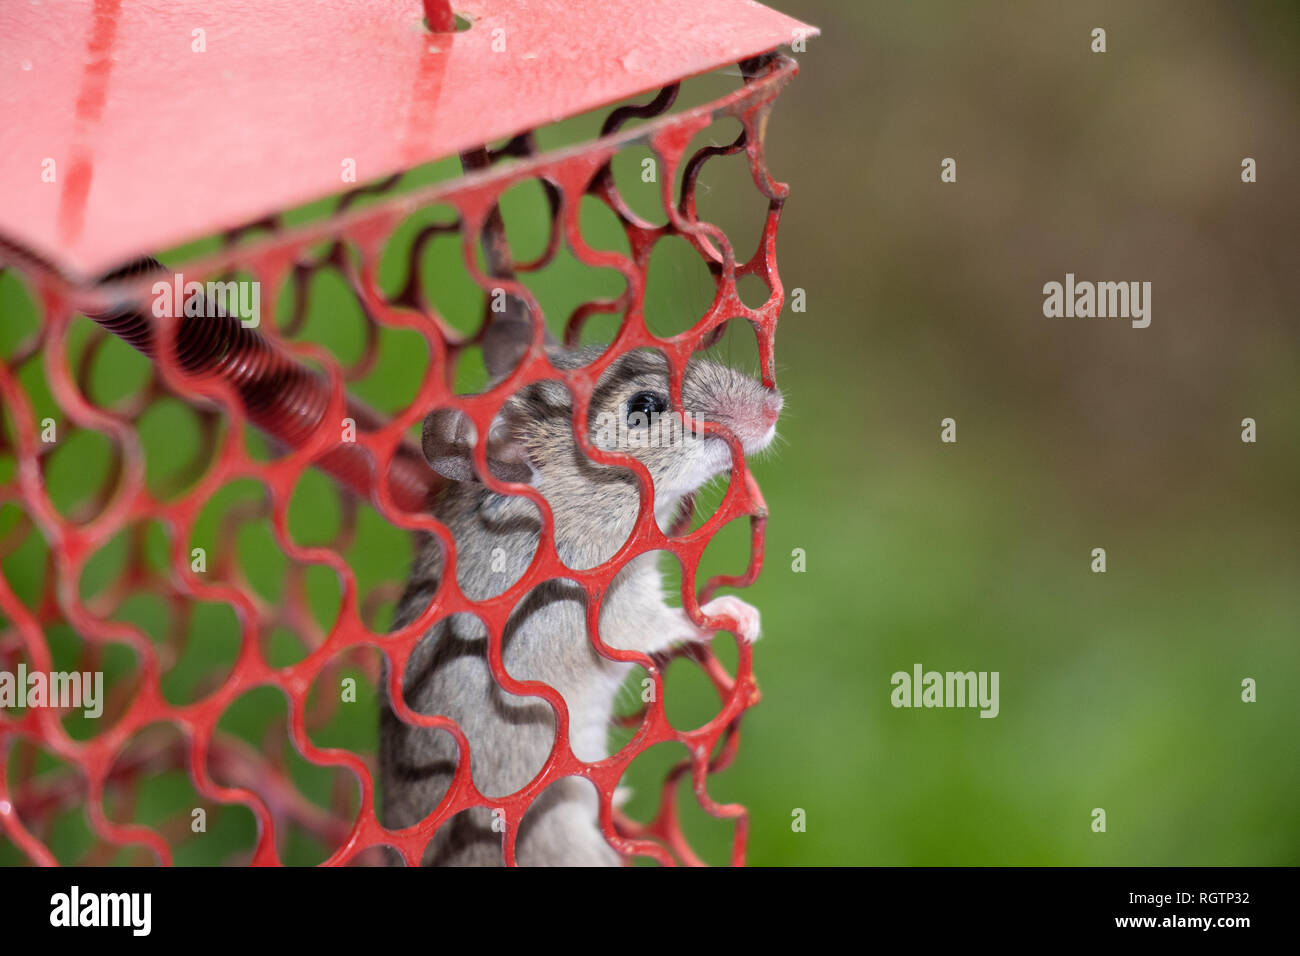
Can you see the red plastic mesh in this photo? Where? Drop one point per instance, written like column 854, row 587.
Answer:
column 234, row 376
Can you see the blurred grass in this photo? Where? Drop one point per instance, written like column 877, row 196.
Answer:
column 1119, row 691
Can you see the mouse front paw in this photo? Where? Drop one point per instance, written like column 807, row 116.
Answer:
column 745, row 616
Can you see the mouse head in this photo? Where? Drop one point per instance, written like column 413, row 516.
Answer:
column 531, row 439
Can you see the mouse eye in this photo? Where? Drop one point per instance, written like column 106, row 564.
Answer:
column 642, row 405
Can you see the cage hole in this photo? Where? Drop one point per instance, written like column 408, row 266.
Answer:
column 412, row 235
column 753, row 291
column 400, row 366
column 631, row 703
column 471, row 375
column 735, row 347
column 638, row 177
column 262, row 563
column 448, row 286
column 324, row 594
column 283, row 647
column 672, row 571
column 300, row 623
column 260, row 446
column 380, row 556
column 600, row 328
column 117, row 371
column 206, row 658
column 311, row 805
column 566, row 284
column 679, row 287
column 106, row 567
column 526, row 212
column 333, row 316
column 178, row 450
column 343, row 702
column 709, row 838
column 82, row 472
column 600, row 227
column 725, row 194
column 690, row 701
column 149, row 785
column 728, row 551
column 315, row 511
column 232, row 542
column 150, row 614
column 724, row 650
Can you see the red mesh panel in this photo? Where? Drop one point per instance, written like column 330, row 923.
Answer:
column 296, row 392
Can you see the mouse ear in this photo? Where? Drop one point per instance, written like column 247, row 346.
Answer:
column 449, row 438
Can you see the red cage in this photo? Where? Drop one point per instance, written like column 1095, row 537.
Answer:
column 126, row 139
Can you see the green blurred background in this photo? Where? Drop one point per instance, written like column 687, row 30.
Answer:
column 1119, row 690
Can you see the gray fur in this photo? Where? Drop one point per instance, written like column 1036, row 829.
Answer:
column 595, row 507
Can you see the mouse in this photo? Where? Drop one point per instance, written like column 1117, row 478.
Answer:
column 595, row 507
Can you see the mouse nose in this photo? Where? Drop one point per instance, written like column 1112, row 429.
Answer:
column 773, row 402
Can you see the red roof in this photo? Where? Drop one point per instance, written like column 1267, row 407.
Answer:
column 155, row 144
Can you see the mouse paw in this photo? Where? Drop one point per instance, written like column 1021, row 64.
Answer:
column 745, row 616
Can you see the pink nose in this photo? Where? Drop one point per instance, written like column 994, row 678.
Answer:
column 772, row 405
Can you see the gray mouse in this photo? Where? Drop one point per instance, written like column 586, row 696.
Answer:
column 594, row 507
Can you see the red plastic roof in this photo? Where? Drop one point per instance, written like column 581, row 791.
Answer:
column 155, row 144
